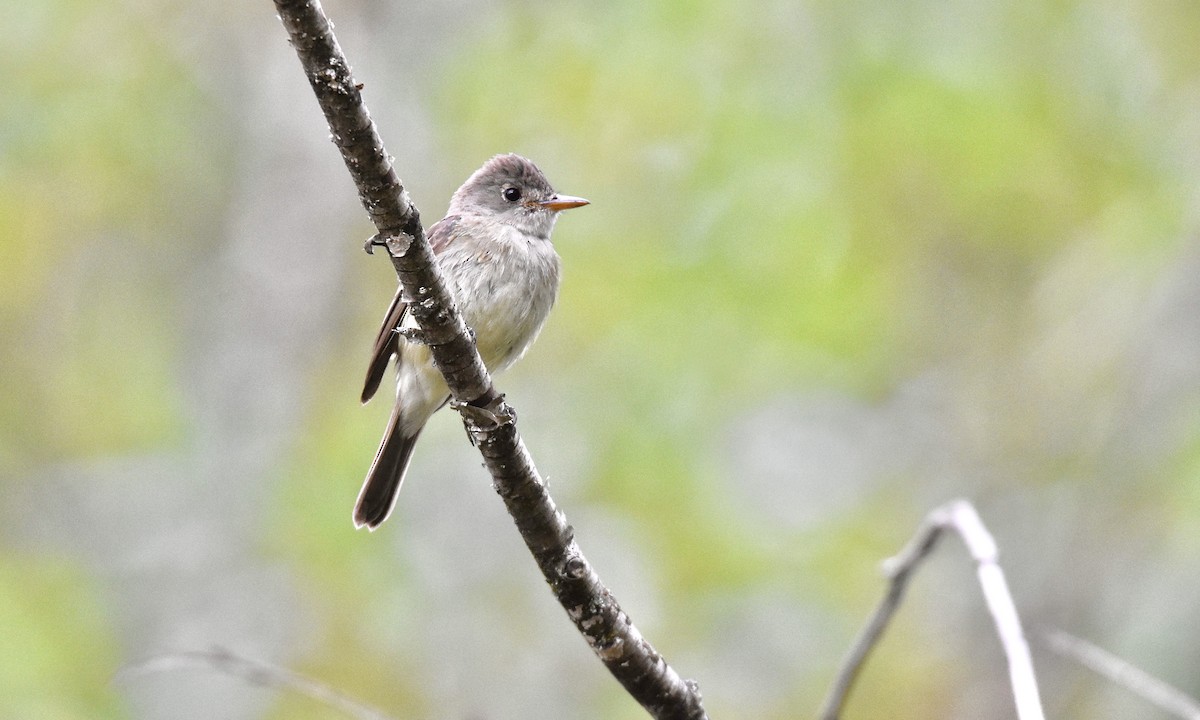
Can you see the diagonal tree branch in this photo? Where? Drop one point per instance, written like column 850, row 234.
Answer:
column 608, row 630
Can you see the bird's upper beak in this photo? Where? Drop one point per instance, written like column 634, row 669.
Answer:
column 563, row 202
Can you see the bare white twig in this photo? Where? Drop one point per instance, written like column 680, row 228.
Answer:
column 259, row 673
column 959, row 516
column 982, row 547
column 1158, row 693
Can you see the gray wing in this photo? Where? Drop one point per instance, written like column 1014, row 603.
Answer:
column 387, row 341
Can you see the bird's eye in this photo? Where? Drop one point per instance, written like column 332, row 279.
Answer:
column 512, row 194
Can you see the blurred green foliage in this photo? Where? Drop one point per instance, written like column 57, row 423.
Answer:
column 102, row 134
column 60, row 652
column 787, row 197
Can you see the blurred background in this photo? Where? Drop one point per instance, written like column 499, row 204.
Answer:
column 845, row 261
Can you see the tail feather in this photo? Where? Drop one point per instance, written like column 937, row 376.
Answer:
column 378, row 494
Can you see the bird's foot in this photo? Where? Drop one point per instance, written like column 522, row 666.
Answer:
column 416, row 336
column 482, row 420
column 396, row 243
column 376, row 240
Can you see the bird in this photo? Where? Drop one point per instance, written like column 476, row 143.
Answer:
column 494, row 250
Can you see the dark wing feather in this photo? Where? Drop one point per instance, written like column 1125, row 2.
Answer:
column 387, row 344
column 387, row 341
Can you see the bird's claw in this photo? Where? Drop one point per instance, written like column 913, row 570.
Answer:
column 395, row 242
column 376, row 240
column 416, row 336
column 479, row 420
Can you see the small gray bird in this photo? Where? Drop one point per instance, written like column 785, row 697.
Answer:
column 494, row 250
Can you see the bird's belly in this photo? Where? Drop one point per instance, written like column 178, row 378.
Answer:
column 507, row 308
column 509, row 324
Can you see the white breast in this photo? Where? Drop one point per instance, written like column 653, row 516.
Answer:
column 504, row 289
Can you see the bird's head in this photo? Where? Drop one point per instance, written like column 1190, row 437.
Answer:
column 513, row 190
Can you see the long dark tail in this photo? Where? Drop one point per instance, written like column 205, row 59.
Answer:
column 378, row 494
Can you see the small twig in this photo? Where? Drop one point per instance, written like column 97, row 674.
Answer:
column 256, row 672
column 897, row 570
column 1162, row 695
column 959, row 516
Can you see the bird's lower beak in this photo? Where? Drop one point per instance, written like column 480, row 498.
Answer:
column 563, row 202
